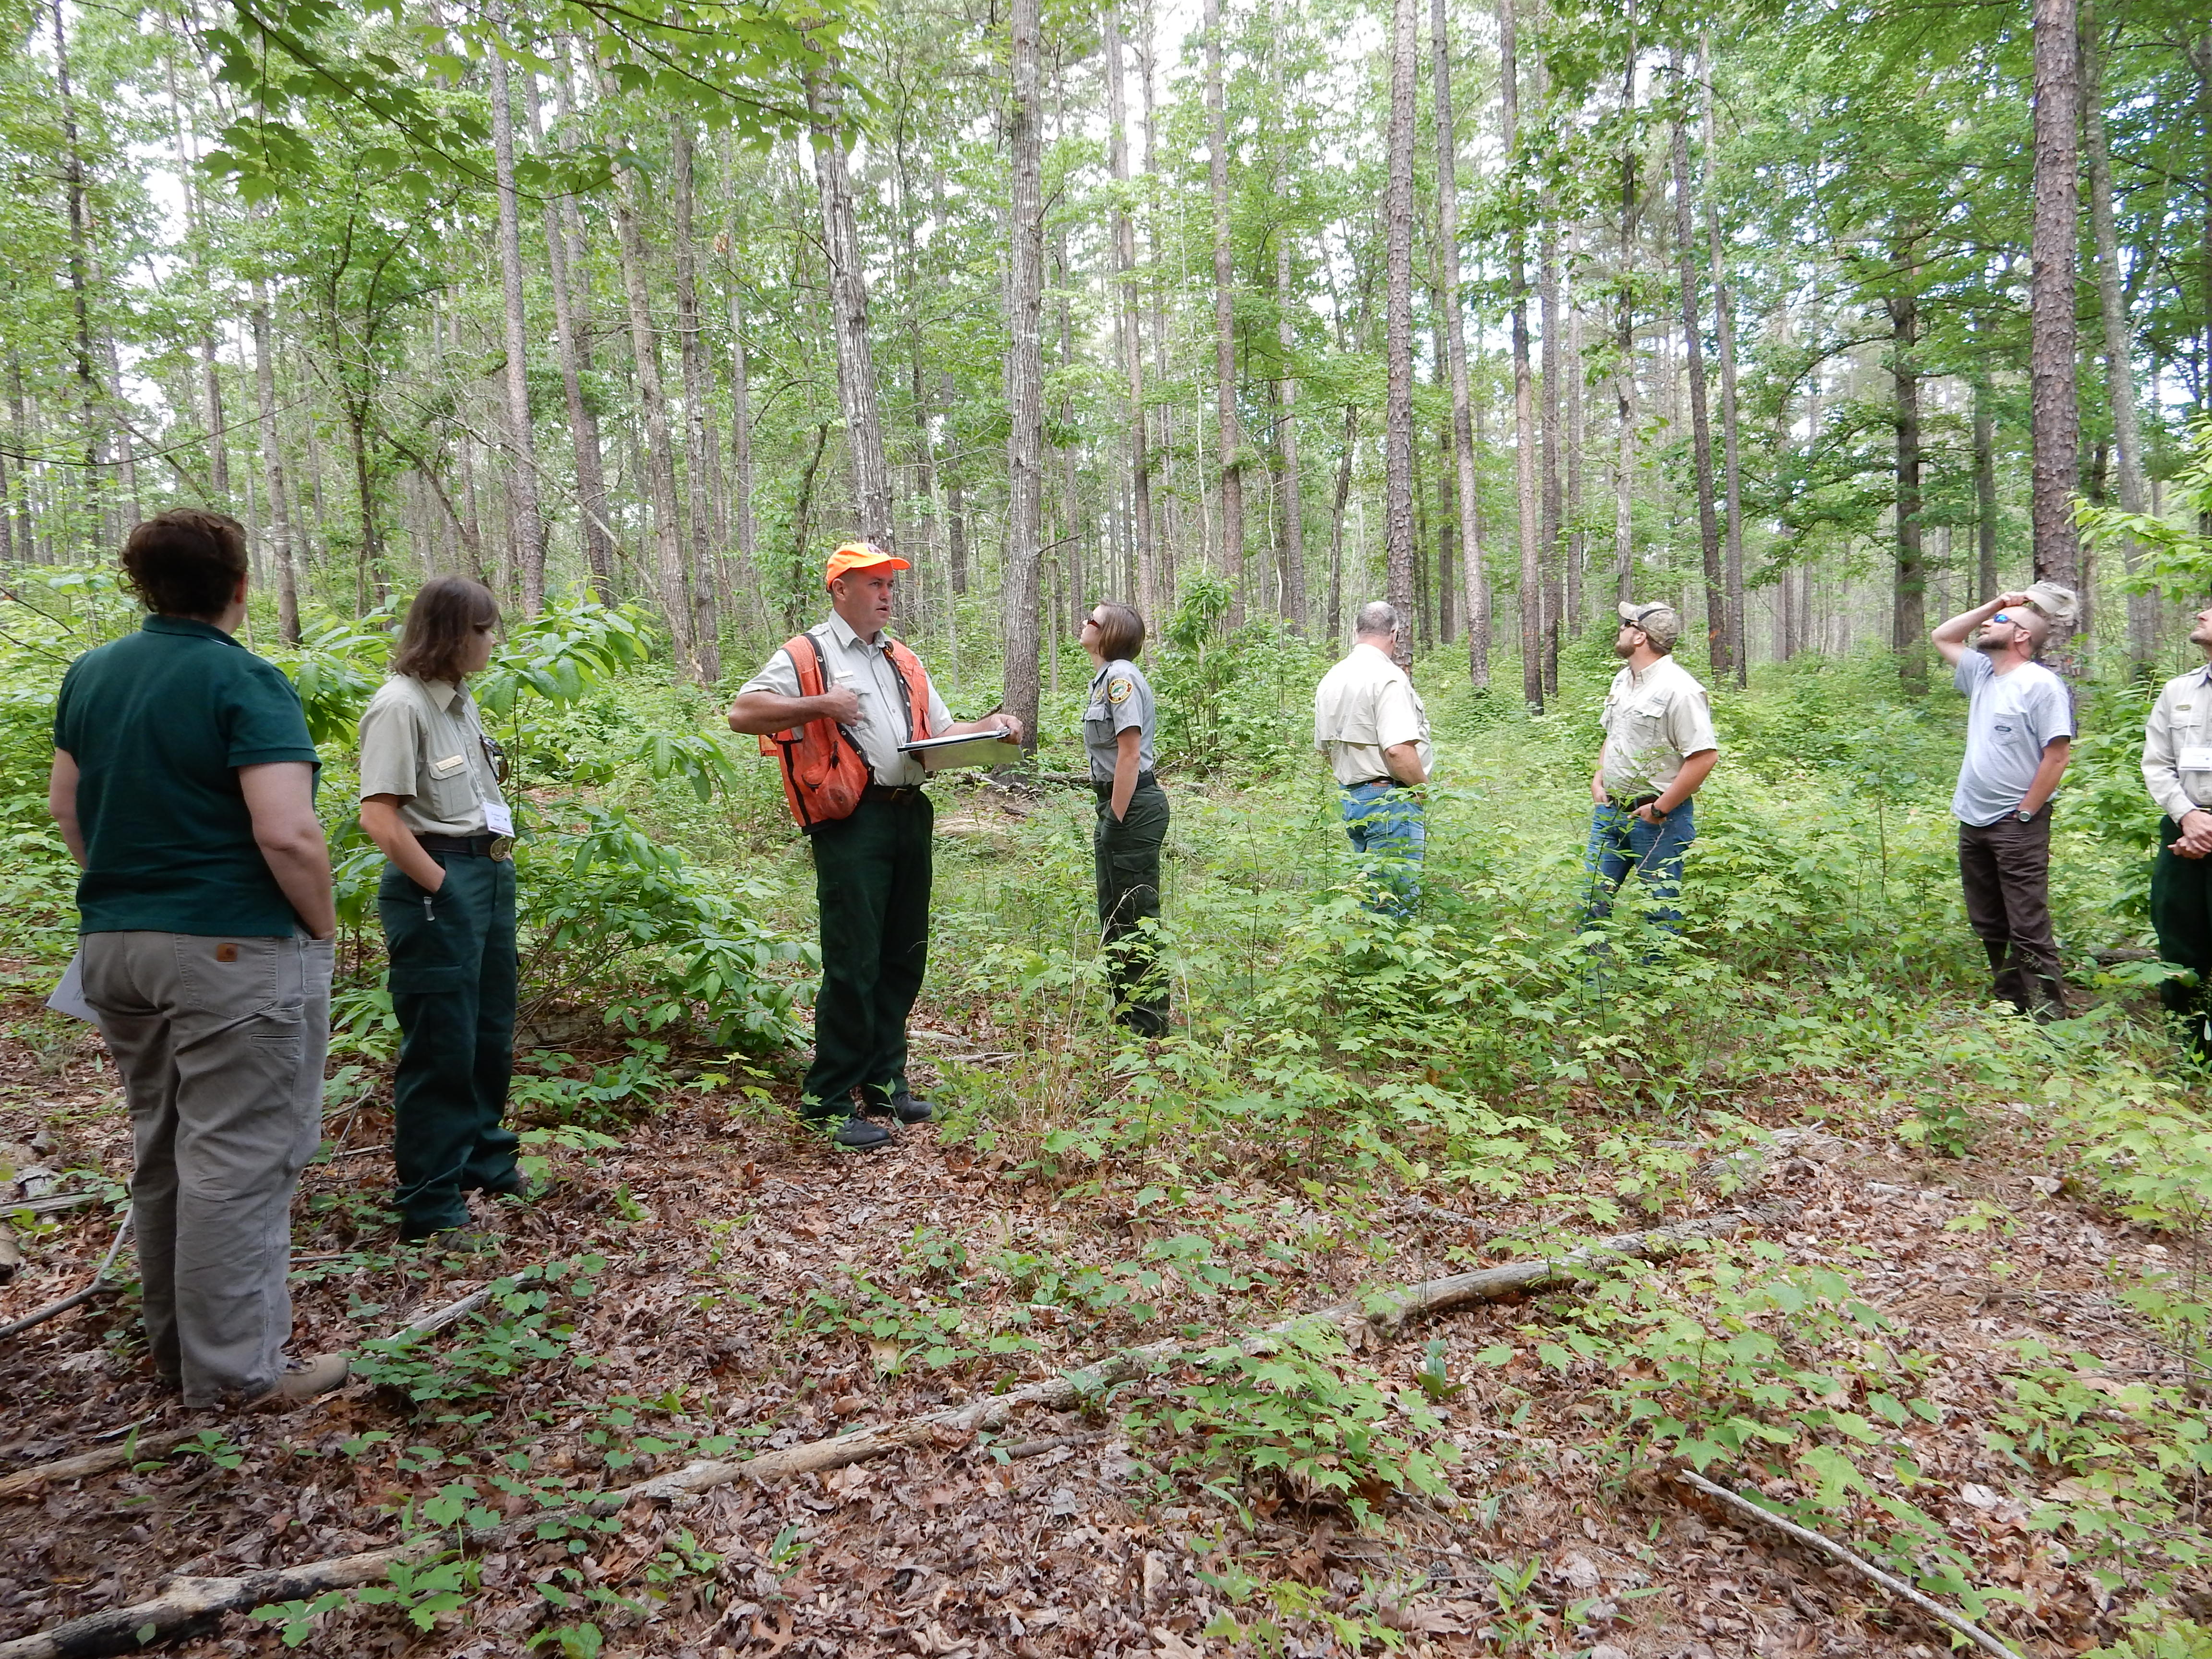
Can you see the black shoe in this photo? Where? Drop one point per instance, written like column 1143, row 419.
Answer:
column 908, row 1109
column 855, row 1131
column 522, row 1189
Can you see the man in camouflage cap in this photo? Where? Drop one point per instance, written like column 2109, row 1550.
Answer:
column 1659, row 748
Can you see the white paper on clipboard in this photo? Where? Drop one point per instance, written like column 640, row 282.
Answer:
column 68, row 997
column 965, row 748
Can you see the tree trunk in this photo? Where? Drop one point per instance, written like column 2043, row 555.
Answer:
column 2054, row 418
column 1133, row 340
column 698, row 436
column 1018, row 594
column 80, row 266
column 670, row 576
column 522, row 471
column 1909, row 590
column 1548, row 303
column 1475, row 582
column 1578, row 412
column 1724, row 324
column 272, row 472
column 1398, row 323
column 1336, row 524
column 571, row 315
column 1701, row 434
column 1986, row 490
column 848, row 314
column 1524, row 408
column 1228, row 434
column 2119, row 354
column 1293, row 576
column 1623, row 340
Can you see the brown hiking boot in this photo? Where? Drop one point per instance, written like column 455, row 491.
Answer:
column 302, row 1380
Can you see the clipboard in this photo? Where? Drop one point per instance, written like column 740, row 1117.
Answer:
column 967, row 749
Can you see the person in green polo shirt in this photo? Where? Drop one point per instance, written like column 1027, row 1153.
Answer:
column 183, row 782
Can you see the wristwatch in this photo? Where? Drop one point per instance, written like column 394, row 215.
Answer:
column 2025, row 815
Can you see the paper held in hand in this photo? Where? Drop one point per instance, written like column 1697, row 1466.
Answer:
column 970, row 749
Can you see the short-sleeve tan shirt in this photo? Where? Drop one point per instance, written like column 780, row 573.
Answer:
column 863, row 665
column 1653, row 722
column 423, row 741
column 1362, row 706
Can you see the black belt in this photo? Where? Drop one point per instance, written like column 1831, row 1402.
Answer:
column 1107, row 787
column 1386, row 781
column 475, row 846
column 892, row 792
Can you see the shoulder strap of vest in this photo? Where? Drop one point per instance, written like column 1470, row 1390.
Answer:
column 908, row 670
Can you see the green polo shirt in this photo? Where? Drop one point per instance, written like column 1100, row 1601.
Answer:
column 159, row 723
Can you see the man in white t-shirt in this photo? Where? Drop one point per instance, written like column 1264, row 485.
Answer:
column 2019, row 734
column 1369, row 721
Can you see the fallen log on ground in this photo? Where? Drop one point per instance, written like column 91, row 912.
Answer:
column 188, row 1605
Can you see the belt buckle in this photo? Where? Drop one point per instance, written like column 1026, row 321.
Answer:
column 502, row 847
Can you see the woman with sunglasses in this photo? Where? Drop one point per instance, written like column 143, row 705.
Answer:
column 1133, row 814
column 430, row 797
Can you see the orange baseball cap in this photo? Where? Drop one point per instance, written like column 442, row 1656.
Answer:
column 861, row 555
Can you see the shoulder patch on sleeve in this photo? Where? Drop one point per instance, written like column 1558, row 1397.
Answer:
column 1119, row 689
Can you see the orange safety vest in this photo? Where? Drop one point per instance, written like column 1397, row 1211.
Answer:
column 824, row 772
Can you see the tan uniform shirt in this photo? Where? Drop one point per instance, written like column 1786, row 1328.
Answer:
column 849, row 660
column 2177, row 756
column 1362, row 706
column 422, row 741
column 1653, row 721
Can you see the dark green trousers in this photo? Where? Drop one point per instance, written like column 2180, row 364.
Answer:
column 2181, row 912
column 452, row 987
column 872, row 875
column 1125, row 856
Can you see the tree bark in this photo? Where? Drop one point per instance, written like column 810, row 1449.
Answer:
column 1724, row 325
column 571, row 310
column 698, row 436
column 1018, row 594
column 1474, row 580
column 80, row 267
column 1577, row 546
column 849, row 314
column 1623, row 340
column 1524, row 408
column 522, row 469
column 1293, row 490
column 1909, row 590
column 1132, row 339
column 1228, row 434
column 1701, row 434
column 272, row 471
column 2054, row 416
column 670, row 574
column 1547, row 304
column 1336, row 523
column 1985, row 489
column 2119, row 352
column 1398, row 323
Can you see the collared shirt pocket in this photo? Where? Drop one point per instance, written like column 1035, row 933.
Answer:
column 449, row 786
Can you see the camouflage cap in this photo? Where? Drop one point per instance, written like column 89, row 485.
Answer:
column 1659, row 622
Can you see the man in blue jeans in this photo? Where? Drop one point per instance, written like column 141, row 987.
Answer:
column 1369, row 721
column 1659, row 748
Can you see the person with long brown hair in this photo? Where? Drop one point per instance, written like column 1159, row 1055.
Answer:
column 430, row 797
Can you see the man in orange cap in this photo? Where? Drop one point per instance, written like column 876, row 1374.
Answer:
column 872, row 869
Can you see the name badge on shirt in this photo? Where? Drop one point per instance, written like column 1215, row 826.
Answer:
column 447, row 767
column 2196, row 757
column 498, row 819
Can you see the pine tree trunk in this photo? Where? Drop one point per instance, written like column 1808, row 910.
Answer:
column 571, row 316
column 1577, row 413
column 698, row 460
column 1531, row 596
column 2054, row 416
column 670, row 575
column 1547, row 302
column 1149, row 593
column 522, row 472
column 1701, row 433
column 272, row 472
column 1336, row 524
column 1398, row 325
column 1019, row 590
column 1623, row 374
column 80, row 266
column 1474, row 582
column 849, row 314
column 1986, row 490
column 1228, row 436
column 1909, row 604
column 1724, row 324
column 1292, row 491
column 2119, row 353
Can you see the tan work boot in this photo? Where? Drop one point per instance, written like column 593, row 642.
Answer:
column 302, row 1380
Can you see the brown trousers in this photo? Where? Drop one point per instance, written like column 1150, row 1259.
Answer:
column 2005, row 868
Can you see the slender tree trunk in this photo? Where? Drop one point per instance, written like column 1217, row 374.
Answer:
column 741, row 429
column 80, row 267
column 1228, row 434
column 1623, row 340
column 2119, row 353
column 1474, row 579
column 1701, row 433
column 1398, row 322
column 706, row 623
column 1336, row 523
column 1724, row 324
column 570, row 313
column 1908, row 606
column 1577, row 415
column 522, row 472
column 1132, row 339
column 1985, row 489
column 2054, row 416
column 272, row 472
column 1292, row 491
column 671, row 578
column 1524, row 407
column 849, row 312
column 1018, row 595
column 1547, row 302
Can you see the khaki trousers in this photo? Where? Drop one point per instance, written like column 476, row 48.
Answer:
column 220, row 1043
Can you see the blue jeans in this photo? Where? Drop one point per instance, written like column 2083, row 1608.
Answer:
column 1619, row 842
column 1385, row 824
